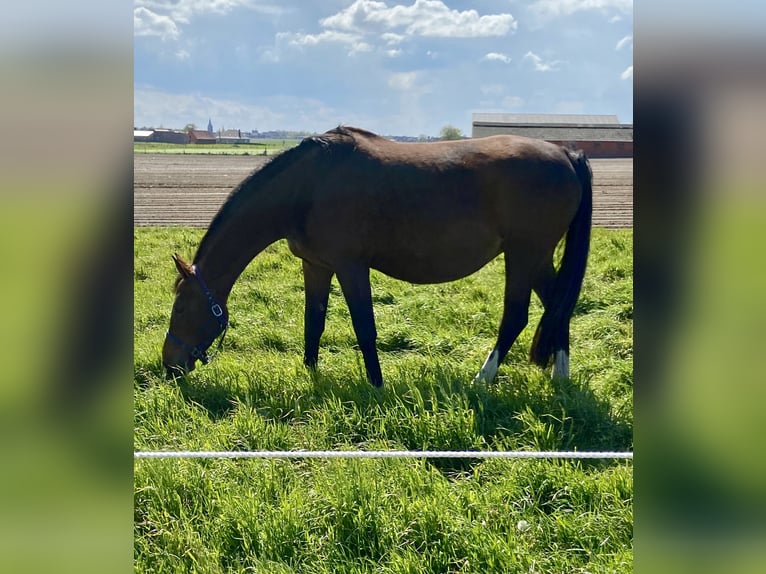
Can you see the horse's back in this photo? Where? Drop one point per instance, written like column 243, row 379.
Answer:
column 511, row 181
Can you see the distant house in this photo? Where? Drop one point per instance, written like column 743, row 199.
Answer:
column 201, row 137
column 231, row 137
column 164, row 135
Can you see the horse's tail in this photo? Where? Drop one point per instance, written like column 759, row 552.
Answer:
column 552, row 333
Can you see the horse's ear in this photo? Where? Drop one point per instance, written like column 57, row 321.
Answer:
column 183, row 268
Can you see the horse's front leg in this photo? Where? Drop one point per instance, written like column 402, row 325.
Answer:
column 355, row 284
column 316, row 281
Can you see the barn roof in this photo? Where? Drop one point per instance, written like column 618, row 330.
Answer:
column 566, row 133
column 202, row 135
column 547, row 119
column 554, row 127
column 142, row 133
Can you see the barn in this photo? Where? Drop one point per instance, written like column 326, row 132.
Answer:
column 160, row 135
column 231, row 137
column 596, row 135
column 164, row 135
column 201, row 137
column 142, row 135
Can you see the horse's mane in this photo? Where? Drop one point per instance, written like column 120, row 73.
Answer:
column 241, row 192
column 342, row 137
column 351, row 132
column 334, row 140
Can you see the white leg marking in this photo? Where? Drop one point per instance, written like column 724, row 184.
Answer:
column 489, row 370
column 561, row 365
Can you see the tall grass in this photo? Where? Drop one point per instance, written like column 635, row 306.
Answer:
column 383, row 515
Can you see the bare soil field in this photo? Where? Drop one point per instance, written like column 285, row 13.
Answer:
column 189, row 189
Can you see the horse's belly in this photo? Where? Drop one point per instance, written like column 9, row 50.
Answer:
column 427, row 272
column 435, row 263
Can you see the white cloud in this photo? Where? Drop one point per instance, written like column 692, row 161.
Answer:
column 188, row 8
column 627, row 74
column 328, row 36
column 553, row 8
column 390, row 38
column 497, row 100
column 352, row 41
column 185, row 10
column 513, row 102
column 624, row 42
column 403, row 81
column 492, row 89
column 541, row 65
column 366, row 24
column 162, row 18
column 183, row 55
column 430, row 18
column 360, row 47
column 148, row 23
column 497, row 57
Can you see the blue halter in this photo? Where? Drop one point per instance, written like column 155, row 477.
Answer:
column 200, row 351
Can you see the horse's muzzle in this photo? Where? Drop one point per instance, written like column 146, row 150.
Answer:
column 172, row 372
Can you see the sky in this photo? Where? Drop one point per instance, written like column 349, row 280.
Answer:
column 406, row 67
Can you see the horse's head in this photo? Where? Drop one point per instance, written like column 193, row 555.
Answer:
column 196, row 321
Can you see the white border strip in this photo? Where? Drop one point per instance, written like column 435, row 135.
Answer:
column 382, row 454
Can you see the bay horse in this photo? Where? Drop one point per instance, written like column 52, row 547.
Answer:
column 348, row 201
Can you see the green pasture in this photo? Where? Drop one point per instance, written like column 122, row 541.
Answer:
column 383, row 516
column 269, row 146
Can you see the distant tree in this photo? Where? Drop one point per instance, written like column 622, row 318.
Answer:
column 449, row 132
column 189, row 127
column 423, row 138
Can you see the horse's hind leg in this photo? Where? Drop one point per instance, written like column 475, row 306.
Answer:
column 544, row 289
column 355, row 284
column 316, row 281
column 518, row 291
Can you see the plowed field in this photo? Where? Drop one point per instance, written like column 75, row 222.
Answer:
column 189, row 189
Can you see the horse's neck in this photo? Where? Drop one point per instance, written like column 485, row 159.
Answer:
column 234, row 243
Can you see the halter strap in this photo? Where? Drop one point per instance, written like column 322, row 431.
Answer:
column 200, row 351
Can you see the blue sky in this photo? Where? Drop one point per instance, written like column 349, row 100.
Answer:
column 397, row 67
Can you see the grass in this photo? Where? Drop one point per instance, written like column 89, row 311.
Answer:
column 262, row 147
column 381, row 516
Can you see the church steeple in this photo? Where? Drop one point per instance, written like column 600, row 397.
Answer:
column 209, row 126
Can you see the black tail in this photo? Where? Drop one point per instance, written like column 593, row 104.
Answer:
column 553, row 330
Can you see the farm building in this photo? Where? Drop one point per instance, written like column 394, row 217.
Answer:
column 142, row 135
column 161, row 135
column 164, row 135
column 231, row 137
column 596, row 135
column 201, row 137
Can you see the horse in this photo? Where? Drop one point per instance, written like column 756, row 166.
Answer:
column 349, row 201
